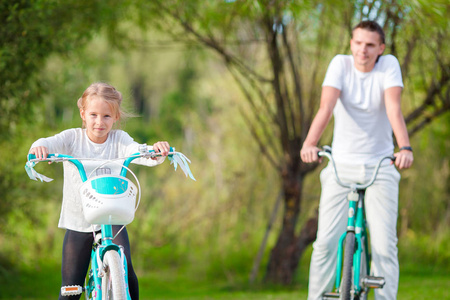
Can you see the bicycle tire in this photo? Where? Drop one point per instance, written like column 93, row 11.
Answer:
column 363, row 270
column 347, row 274
column 113, row 282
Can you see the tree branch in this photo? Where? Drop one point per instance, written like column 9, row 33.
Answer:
column 271, row 36
column 262, row 146
column 212, row 43
column 297, row 82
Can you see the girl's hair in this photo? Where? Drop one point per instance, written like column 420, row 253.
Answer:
column 106, row 92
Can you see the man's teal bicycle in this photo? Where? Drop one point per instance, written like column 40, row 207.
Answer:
column 107, row 200
column 353, row 277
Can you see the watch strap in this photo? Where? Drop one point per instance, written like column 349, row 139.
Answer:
column 409, row 148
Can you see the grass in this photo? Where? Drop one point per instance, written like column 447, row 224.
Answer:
column 43, row 283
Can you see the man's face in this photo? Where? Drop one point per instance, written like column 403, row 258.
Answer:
column 366, row 46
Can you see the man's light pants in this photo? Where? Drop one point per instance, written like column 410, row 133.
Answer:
column 381, row 204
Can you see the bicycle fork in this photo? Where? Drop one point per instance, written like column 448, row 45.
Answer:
column 97, row 260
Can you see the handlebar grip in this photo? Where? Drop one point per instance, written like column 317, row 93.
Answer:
column 325, row 150
column 32, row 156
column 172, row 149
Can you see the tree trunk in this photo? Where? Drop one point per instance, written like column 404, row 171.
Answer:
column 285, row 256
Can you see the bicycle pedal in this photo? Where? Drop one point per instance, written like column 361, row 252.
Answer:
column 373, row 282
column 71, row 290
column 328, row 296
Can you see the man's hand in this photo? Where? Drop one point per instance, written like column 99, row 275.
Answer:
column 404, row 159
column 309, row 154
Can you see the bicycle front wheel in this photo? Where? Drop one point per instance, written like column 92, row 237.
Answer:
column 364, row 271
column 113, row 282
column 347, row 275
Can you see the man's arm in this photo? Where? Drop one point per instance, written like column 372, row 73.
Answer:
column 392, row 96
column 328, row 101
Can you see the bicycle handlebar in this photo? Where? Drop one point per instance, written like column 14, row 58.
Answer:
column 176, row 158
column 355, row 186
column 56, row 157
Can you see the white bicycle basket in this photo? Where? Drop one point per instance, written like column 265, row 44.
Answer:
column 109, row 200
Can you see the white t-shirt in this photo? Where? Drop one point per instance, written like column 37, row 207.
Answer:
column 76, row 143
column 362, row 132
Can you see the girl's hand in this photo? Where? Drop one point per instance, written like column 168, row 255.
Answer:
column 41, row 152
column 162, row 148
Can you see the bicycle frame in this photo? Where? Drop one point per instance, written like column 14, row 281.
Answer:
column 93, row 285
column 356, row 224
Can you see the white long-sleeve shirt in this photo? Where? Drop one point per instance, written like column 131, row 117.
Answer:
column 76, row 143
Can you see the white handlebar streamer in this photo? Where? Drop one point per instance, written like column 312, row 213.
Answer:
column 29, row 167
column 179, row 158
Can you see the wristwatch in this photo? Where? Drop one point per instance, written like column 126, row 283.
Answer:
column 406, row 148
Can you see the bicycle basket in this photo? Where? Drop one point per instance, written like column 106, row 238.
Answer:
column 109, row 200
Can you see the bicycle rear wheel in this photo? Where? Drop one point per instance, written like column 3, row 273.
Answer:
column 113, row 282
column 347, row 274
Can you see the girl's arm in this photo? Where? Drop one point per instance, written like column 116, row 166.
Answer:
column 59, row 143
column 132, row 147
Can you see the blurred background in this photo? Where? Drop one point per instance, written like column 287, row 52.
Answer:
column 233, row 85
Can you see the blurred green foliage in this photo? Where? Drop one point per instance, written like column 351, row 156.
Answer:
column 50, row 51
column 30, row 31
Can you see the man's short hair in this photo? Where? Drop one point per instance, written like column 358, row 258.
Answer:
column 371, row 26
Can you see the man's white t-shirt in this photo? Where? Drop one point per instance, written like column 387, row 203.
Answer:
column 362, row 132
column 76, row 143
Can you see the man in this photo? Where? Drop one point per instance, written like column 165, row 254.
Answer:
column 363, row 92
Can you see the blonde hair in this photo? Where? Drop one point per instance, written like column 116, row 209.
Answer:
column 107, row 93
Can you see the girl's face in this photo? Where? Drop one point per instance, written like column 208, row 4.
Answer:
column 99, row 118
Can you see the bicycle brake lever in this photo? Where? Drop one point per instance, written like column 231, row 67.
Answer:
column 327, row 149
column 143, row 148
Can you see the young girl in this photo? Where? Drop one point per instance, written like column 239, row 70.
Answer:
column 100, row 110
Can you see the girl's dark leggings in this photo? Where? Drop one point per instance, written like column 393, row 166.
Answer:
column 76, row 256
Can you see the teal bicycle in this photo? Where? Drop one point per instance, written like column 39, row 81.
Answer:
column 107, row 200
column 353, row 277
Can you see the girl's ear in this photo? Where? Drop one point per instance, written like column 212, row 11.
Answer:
column 82, row 114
